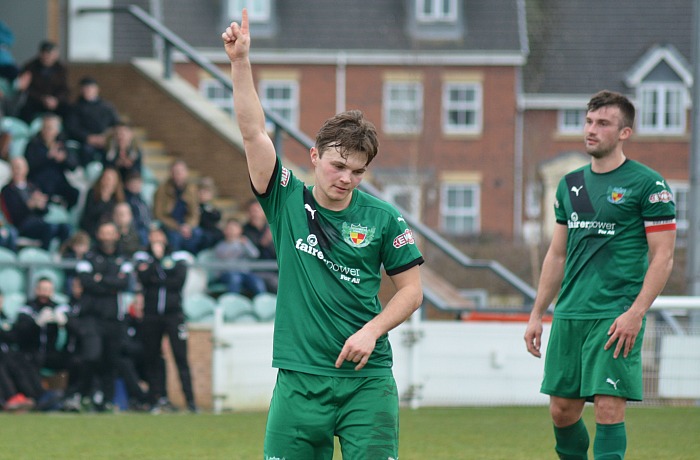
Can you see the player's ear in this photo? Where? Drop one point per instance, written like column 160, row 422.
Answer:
column 314, row 155
column 625, row 133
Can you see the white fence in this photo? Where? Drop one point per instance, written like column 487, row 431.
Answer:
column 453, row 363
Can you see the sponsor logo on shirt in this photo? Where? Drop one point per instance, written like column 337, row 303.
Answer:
column 604, row 228
column 616, row 195
column 349, row 274
column 403, row 239
column 284, row 179
column 664, row 196
column 357, row 235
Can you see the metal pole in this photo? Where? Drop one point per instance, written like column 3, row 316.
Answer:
column 693, row 236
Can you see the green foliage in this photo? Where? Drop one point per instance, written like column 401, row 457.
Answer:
column 434, row 433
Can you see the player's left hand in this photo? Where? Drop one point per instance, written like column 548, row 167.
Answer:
column 624, row 330
column 358, row 348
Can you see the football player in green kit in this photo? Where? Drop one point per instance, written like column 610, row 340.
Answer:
column 610, row 256
column 330, row 340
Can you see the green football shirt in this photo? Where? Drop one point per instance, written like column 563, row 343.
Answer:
column 608, row 216
column 329, row 274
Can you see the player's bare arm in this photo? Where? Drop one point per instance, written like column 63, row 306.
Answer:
column 406, row 300
column 259, row 149
column 548, row 286
column 626, row 327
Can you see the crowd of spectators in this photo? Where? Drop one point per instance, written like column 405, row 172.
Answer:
column 116, row 239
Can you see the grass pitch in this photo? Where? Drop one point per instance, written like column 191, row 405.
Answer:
column 489, row 433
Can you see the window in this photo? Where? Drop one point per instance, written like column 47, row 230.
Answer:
column 403, row 107
column 571, row 121
column 460, row 209
column 282, row 98
column 662, row 109
column 436, row 10
column 217, row 94
column 258, row 10
column 462, row 108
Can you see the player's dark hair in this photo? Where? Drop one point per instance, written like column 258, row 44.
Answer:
column 607, row 98
column 349, row 132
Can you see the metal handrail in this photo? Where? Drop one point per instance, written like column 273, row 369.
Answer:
column 281, row 125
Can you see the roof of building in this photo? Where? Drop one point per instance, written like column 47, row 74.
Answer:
column 581, row 47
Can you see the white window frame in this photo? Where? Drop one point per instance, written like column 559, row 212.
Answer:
column 475, row 106
column 277, row 106
column 565, row 124
column 437, row 10
column 412, row 109
column 223, row 99
column 470, row 212
column 411, row 192
column 652, row 115
column 258, row 10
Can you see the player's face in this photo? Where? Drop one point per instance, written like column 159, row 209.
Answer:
column 603, row 131
column 337, row 177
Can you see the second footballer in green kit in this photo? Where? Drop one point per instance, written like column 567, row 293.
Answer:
column 611, row 254
column 332, row 241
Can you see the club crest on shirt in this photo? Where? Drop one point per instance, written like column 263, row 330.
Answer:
column 357, row 236
column 616, row 195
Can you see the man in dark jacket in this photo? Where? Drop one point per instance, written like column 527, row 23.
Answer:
column 25, row 206
column 49, row 161
column 48, row 88
column 162, row 276
column 90, row 121
column 105, row 275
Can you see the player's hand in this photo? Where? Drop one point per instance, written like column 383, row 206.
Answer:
column 533, row 337
column 357, row 349
column 237, row 38
column 624, row 331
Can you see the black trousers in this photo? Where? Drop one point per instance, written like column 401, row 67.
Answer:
column 153, row 328
column 100, row 350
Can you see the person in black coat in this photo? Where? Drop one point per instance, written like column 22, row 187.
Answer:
column 162, row 276
column 104, row 275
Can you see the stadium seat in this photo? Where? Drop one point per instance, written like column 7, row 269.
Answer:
column 5, row 173
column 35, row 126
column 264, row 306
column 58, row 214
column 92, row 172
column 20, row 135
column 13, row 301
column 195, row 282
column 198, row 306
column 32, row 254
column 7, row 255
column 234, row 305
column 213, row 286
column 11, row 280
column 248, row 317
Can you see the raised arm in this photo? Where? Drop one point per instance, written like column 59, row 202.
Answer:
column 259, row 149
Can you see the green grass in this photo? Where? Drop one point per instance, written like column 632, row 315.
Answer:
column 490, row 433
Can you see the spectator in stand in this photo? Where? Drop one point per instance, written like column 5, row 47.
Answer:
column 49, row 160
column 17, row 377
column 104, row 275
column 74, row 249
column 257, row 230
column 25, row 206
column 8, row 234
column 129, row 241
column 209, row 214
column 48, row 88
column 176, row 206
column 101, row 199
column 123, row 152
column 237, row 247
column 143, row 220
column 90, row 121
column 162, row 276
column 8, row 65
